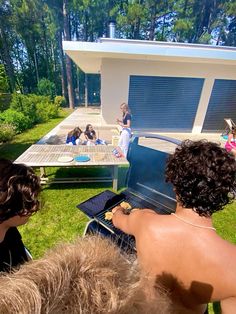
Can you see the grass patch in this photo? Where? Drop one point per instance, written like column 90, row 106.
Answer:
column 21, row 142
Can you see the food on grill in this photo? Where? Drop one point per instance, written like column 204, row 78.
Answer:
column 125, row 205
column 108, row 215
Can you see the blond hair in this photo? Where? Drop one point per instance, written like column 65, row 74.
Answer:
column 89, row 276
column 125, row 105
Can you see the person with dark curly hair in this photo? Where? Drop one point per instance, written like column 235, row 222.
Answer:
column 182, row 251
column 19, row 189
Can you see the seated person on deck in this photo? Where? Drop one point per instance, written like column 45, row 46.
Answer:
column 19, row 189
column 73, row 137
column 182, row 251
column 91, row 136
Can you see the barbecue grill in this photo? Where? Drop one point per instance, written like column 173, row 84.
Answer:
column 146, row 187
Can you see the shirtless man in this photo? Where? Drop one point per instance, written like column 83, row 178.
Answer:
column 182, row 251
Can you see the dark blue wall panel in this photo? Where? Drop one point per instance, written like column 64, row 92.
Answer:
column 164, row 103
column 222, row 105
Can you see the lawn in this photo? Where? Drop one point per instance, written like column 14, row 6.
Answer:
column 59, row 220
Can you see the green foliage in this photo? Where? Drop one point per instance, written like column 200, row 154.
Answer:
column 4, row 87
column 17, row 119
column 37, row 108
column 205, row 38
column 60, row 101
column 7, row 132
column 22, row 141
column 46, row 88
column 26, row 105
column 5, row 100
column 46, row 111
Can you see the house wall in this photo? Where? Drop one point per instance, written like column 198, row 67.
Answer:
column 115, row 82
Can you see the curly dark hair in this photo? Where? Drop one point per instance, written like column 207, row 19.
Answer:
column 19, row 189
column 203, row 175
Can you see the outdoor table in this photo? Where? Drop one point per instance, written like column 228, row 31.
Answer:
column 43, row 156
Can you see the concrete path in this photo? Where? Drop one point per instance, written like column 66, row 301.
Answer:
column 82, row 116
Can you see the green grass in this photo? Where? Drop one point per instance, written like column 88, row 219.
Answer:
column 24, row 140
column 59, row 220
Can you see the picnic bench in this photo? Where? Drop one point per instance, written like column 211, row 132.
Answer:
column 43, row 156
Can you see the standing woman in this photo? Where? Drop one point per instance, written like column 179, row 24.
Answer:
column 230, row 145
column 125, row 123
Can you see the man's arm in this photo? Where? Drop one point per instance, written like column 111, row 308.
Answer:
column 127, row 223
column 124, row 222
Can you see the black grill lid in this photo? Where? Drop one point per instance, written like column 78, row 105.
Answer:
column 100, row 202
column 146, row 175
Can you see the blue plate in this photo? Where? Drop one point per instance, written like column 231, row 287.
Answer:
column 82, row 158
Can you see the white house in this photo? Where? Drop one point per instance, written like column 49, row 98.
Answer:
column 170, row 87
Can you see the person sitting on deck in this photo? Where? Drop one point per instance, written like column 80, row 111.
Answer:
column 230, row 145
column 182, row 251
column 73, row 137
column 91, row 137
column 89, row 276
column 19, row 189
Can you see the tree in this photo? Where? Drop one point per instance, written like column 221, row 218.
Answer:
column 6, row 43
column 4, row 87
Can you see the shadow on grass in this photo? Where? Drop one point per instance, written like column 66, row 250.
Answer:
column 13, row 150
column 88, row 172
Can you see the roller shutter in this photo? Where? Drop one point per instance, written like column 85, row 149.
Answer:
column 166, row 104
column 222, row 105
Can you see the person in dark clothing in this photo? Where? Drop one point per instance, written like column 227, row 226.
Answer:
column 91, row 136
column 19, row 189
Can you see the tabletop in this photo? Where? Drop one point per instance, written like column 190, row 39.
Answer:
column 48, row 155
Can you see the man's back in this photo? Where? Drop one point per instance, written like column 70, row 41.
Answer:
column 182, row 251
column 192, row 262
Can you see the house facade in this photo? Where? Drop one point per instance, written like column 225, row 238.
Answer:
column 170, row 87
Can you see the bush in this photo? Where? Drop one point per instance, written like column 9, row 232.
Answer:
column 7, row 132
column 5, row 100
column 17, row 119
column 23, row 104
column 27, row 104
column 46, row 111
column 60, row 101
column 46, row 88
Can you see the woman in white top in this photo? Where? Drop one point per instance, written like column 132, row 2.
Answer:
column 125, row 123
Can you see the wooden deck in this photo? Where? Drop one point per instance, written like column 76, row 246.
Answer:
column 43, row 156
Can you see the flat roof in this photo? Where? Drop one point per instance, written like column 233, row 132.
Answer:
column 88, row 55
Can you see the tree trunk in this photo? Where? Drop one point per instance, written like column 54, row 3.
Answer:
column 5, row 54
column 63, row 69
column 68, row 60
column 36, row 66
column 153, row 22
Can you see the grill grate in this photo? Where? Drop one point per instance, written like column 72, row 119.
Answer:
column 97, row 206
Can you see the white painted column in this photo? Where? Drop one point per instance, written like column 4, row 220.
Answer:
column 203, row 105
